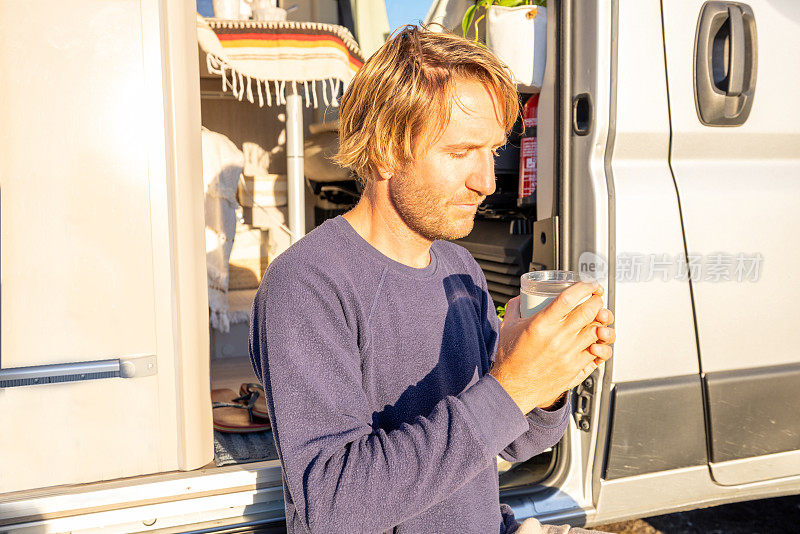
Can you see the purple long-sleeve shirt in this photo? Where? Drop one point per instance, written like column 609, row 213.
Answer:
column 376, row 376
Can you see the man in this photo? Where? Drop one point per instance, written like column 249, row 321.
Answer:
column 374, row 337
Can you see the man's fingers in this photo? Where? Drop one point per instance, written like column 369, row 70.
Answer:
column 570, row 298
column 605, row 316
column 588, row 335
column 591, row 362
column 603, row 352
column 583, row 314
column 606, row 335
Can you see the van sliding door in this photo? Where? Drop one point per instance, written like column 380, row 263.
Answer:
column 732, row 73
column 104, row 354
column 650, row 417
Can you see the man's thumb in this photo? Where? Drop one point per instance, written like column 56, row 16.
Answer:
column 512, row 309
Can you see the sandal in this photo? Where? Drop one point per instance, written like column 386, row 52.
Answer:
column 232, row 416
column 250, row 390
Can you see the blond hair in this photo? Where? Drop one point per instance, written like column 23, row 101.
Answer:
column 402, row 96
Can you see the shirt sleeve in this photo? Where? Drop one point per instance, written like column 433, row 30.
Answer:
column 343, row 474
column 545, row 427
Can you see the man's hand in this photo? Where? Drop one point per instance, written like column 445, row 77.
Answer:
column 540, row 357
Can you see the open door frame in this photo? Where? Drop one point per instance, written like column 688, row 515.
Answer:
column 579, row 229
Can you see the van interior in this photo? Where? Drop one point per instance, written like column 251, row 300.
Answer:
column 501, row 240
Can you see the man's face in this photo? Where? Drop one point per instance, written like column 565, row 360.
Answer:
column 438, row 194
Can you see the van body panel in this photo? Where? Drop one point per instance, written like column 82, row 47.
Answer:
column 753, row 412
column 76, row 268
column 655, row 356
column 185, row 207
column 756, row 469
column 648, row 224
column 677, row 490
column 738, row 188
column 583, row 193
column 102, row 258
column 658, row 425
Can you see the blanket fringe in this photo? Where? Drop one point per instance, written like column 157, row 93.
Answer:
column 314, row 91
column 335, row 84
column 241, row 86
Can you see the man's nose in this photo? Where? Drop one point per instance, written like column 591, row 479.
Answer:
column 482, row 179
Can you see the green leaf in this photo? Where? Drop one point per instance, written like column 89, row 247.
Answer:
column 469, row 16
column 476, row 27
column 510, row 3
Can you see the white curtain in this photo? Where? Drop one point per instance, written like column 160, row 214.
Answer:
column 222, row 166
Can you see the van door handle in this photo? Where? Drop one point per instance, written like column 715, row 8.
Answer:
column 736, row 60
column 126, row 367
column 725, row 63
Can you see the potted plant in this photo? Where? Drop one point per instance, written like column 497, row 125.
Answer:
column 516, row 31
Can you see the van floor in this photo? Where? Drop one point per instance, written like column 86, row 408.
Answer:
column 533, row 471
column 238, row 448
column 230, row 373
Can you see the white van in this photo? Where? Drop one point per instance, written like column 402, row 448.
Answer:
column 666, row 130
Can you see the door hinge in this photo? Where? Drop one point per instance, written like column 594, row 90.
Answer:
column 584, row 395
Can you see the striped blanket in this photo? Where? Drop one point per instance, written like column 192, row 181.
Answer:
column 256, row 59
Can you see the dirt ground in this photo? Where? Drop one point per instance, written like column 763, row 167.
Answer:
column 767, row 516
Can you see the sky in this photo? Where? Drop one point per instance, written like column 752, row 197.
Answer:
column 399, row 11
column 406, row 11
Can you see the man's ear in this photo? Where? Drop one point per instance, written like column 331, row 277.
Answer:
column 383, row 172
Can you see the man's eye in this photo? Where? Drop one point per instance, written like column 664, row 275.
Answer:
column 458, row 155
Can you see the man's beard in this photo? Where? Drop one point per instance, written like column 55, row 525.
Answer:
column 428, row 213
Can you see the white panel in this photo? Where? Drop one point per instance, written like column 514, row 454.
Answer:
column 546, row 129
column 655, row 332
column 739, row 190
column 675, row 490
column 767, row 467
column 77, row 255
column 102, row 239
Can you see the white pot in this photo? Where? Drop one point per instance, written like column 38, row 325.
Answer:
column 226, row 9
column 268, row 13
column 520, row 41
